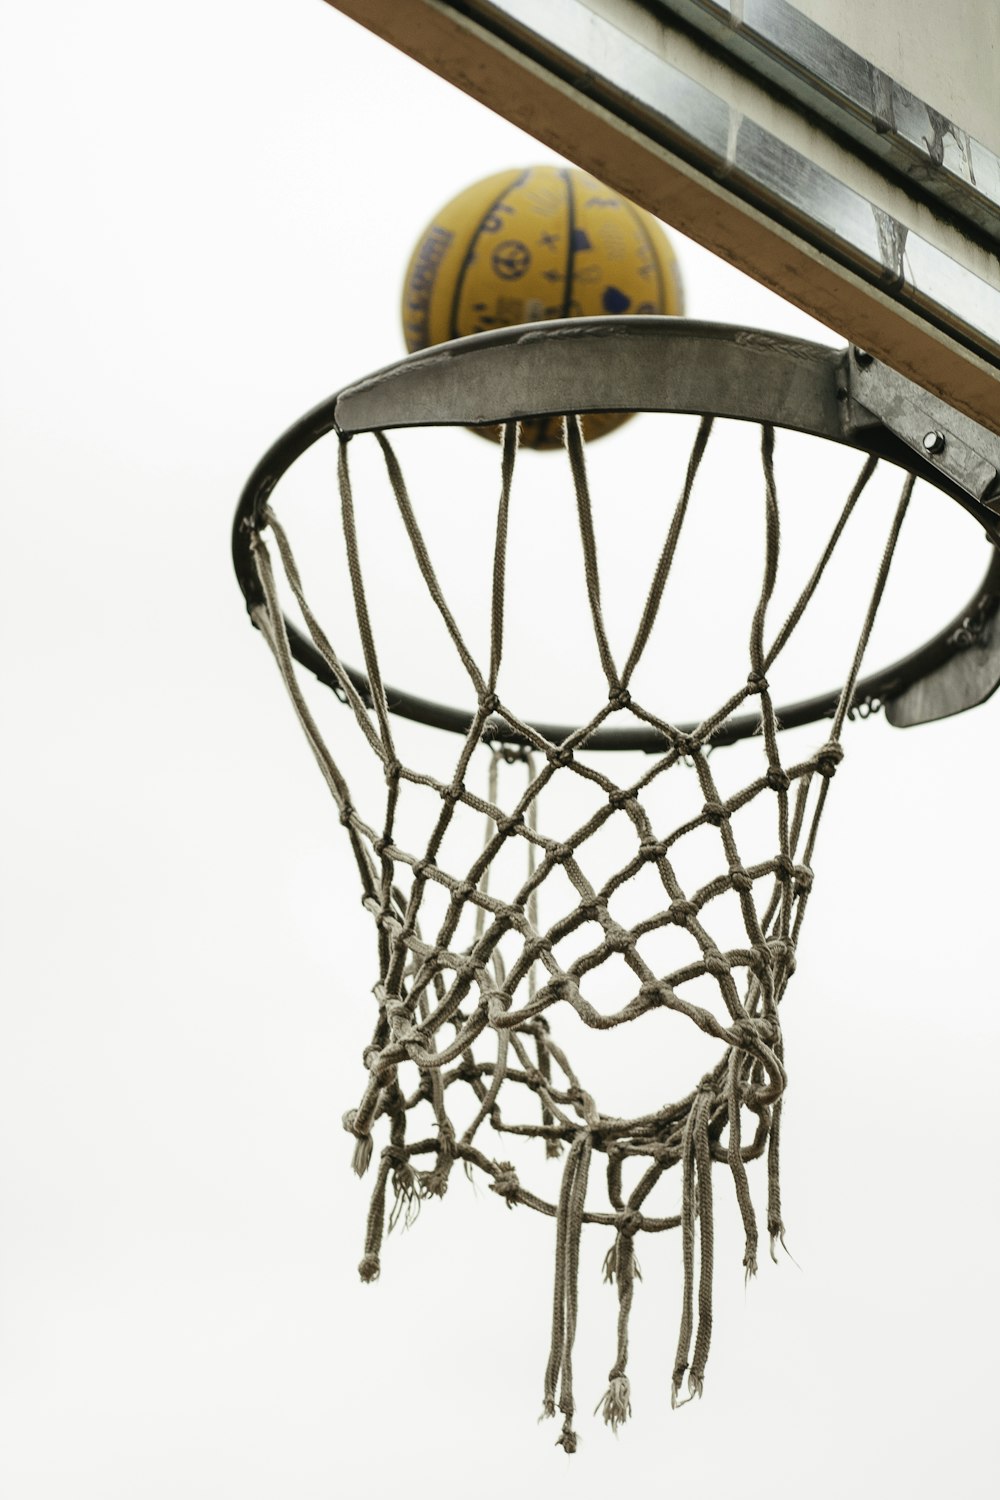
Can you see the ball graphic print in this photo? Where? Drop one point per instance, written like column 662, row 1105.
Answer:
column 529, row 245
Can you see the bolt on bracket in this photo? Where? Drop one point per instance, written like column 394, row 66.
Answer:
column 952, row 442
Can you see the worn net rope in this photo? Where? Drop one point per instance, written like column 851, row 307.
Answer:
column 466, row 1019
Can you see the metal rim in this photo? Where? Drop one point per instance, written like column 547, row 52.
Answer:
column 625, row 364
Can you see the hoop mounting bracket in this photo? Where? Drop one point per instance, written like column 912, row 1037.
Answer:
column 966, row 678
column 943, row 437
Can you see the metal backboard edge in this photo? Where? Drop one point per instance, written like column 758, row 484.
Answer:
column 675, row 136
column 936, row 155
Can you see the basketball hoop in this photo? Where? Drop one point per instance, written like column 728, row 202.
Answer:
column 454, row 1014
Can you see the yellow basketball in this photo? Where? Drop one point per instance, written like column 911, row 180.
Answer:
column 533, row 244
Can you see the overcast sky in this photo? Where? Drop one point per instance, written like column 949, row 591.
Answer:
column 209, row 207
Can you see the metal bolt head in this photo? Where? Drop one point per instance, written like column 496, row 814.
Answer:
column 933, row 442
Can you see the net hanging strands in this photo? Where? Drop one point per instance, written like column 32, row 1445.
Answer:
column 475, row 1020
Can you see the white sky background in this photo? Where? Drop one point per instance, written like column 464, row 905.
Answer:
column 209, row 209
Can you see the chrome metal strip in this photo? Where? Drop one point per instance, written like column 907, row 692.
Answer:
column 635, row 82
column 817, row 70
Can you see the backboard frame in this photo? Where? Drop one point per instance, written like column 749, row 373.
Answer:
column 890, row 247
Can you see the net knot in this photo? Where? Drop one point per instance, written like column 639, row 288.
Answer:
column 618, row 798
column 453, row 793
column 629, row 1223
column 681, row 912
column 716, row 963
column 828, row 758
column 685, row 744
column 582, row 1101
column 489, row 703
column 617, row 939
column 715, row 812
column 650, row 849
column 783, row 950
column 497, row 1005
column 347, row 815
column 420, row 868
column 620, row 698
column 393, row 771
column 783, row 867
column 371, row 1057
column 505, row 1184
column 401, row 1025
column 463, row 890
column 411, row 1036
column 762, row 959
column 777, row 779
column 740, row 879
column 803, row 879
column 559, row 755
column 748, row 1032
column 757, row 682
column 507, row 826
column 561, row 853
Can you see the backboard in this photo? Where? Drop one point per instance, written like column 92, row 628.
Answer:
column 845, row 155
